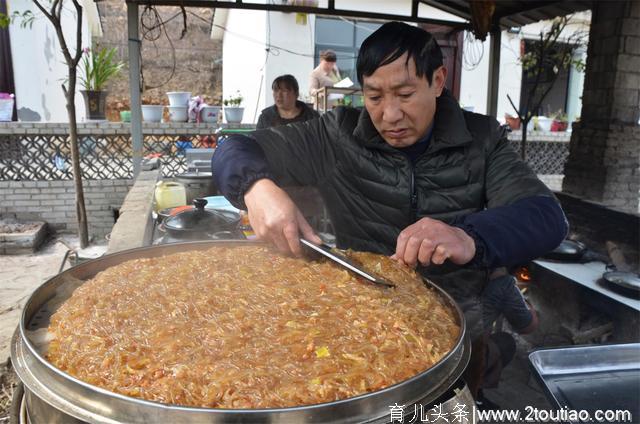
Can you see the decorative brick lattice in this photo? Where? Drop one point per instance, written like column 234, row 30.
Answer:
column 41, row 152
column 545, row 157
column 45, row 157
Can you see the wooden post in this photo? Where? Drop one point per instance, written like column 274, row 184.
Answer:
column 494, row 73
column 134, row 85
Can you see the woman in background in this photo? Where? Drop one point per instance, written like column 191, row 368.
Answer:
column 326, row 74
column 287, row 107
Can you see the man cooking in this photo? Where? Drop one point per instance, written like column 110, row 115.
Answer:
column 412, row 175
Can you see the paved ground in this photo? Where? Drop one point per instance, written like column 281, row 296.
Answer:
column 19, row 276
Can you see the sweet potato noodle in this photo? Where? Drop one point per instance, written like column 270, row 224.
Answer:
column 244, row 327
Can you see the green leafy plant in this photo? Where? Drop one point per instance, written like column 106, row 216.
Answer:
column 543, row 63
column 560, row 116
column 234, row 101
column 26, row 19
column 98, row 68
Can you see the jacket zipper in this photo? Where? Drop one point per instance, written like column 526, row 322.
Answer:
column 413, row 194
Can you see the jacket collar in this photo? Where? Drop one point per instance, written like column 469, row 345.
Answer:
column 449, row 128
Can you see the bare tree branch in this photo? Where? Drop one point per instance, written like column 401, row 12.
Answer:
column 514, row 107
column 43, row 10
column 55, row 17
column 78, row 55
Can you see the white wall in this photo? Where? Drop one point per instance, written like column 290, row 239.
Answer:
column 243, row 59
column 474, row 77
column 39, row 68
column 296, row 38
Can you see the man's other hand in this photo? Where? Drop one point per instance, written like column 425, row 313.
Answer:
column 430, row 241
column 275, row 218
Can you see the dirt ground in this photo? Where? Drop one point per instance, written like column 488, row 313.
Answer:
column 8, row 381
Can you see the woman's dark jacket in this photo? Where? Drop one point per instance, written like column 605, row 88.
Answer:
column 271, row 118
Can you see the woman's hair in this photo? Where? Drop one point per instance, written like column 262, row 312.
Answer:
column 391, row 41
column 328, row 55
column 286, row 81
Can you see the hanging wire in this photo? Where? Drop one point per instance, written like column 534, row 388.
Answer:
column 472, row 51
column 152, row 29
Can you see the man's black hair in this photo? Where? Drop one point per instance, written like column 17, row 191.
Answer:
column 391, row 41
column 286, row 81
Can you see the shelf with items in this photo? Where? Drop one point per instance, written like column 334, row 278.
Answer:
column 349, row 97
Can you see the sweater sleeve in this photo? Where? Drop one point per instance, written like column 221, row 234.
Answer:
column 236, row 165
column 517, row 233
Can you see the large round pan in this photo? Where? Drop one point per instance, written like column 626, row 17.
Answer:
column 96, row 405
column 574, row 251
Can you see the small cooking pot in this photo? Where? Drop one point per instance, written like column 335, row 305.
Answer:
column 197, row 184
column 574, row 251
column 200, row 223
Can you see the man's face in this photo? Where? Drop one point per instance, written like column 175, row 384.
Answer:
column 401, row 105
column 284, row 97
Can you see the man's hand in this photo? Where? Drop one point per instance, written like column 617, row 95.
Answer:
column 430, row 241
column 275, row 218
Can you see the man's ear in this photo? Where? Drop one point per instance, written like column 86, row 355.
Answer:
column 439, row 79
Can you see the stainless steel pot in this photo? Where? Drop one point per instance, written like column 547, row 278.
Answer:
column 54, row 396
column 197, row 184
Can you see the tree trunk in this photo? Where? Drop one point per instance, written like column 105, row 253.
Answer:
column 81, row 212
column 523, row 146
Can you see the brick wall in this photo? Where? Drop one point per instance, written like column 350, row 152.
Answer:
column 603, row 163
column 54, row 203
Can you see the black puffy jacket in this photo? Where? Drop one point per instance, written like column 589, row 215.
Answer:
column 373, row 191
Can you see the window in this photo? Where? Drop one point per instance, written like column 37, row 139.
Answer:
column 343, row 36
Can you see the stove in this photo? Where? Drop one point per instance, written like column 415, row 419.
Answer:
column 589, row 275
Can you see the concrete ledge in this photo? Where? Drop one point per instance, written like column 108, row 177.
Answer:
column 110, row 128
column 134, row 227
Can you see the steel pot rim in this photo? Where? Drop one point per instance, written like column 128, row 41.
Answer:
column 31, row 309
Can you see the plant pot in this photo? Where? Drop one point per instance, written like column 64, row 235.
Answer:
column 6, row 109
column 179, row 98
column 210, row 114
column 559, row 126
column 544, row 123
column 125, row 115
column 95, row 103
column 233, row 115
column 152, row 113
column 178, row 113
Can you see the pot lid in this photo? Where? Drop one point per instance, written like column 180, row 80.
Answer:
column 203, row 220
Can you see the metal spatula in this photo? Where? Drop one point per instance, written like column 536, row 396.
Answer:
column 343, row 261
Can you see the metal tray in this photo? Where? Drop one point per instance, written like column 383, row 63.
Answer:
column 591, row 378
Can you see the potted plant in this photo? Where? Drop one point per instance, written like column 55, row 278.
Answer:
column 232, row 110
column 560, row 122
column 97, row 68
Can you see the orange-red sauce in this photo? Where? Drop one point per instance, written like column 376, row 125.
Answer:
column 244, row 327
